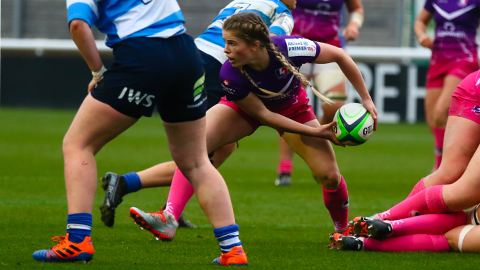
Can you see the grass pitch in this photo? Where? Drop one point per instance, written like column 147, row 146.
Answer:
column 281, row 227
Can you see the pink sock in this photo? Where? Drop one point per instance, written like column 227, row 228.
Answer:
column 336, row 202
column 439, row 134
column 414, row 242
column 417, row 188
column 428, row 201
column 428, row 224
column 180, row 193
column 285, row 166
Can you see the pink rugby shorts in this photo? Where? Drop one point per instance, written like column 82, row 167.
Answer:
column 300, row 112
column 440, row 69
column 466, row 101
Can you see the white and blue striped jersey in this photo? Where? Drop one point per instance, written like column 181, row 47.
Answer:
column 273, row 12
column 122, row 19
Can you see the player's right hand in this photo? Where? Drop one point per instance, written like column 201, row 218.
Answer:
column 326, row 132
column 94, row 82
column 426, row 41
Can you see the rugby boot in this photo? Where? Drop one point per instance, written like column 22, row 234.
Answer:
column 235, row 257
column 113, row 186
column 371, row 228
column 345, row 242
column 66, row 251
column 182, row 221
column 283, row 180
column 161, row 224
column 348, row 231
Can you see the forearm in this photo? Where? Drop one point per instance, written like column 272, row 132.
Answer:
column 351, row 71
column 83, row 37
column 282, row 123
column 420, row 29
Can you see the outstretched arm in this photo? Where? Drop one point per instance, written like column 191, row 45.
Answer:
column 329, row 54
column 255, row 108
column 83, row 37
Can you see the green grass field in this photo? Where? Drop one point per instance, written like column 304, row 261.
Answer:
column 281, row 228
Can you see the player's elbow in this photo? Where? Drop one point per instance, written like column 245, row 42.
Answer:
column 78, row 26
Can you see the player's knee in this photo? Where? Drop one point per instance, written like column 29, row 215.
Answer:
column 330, row 180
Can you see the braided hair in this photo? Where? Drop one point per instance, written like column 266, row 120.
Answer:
column 250, row 28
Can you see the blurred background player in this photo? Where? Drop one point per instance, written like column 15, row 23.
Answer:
column 278, row 18
column 319, row 20
column 454, row 56
column 433, row 233
column 131, row 88
column 263, row 87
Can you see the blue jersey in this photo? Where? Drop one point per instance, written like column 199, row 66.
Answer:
column 122, row 19
column 273, row 12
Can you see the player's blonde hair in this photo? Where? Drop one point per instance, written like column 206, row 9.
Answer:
column 250, row 28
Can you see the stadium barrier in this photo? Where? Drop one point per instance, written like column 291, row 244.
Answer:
column 51, row 73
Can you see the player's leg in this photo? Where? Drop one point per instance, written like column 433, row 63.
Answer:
column 223, row 126
column 464, row 238
column 464, row 192
column 319, row 156
column 94, row 125
column 431, row 98
column 285, row 164
column 404, row 243
column 330, row 81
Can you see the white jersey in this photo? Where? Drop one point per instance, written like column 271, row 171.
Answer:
column 273, row 12
column 122, row 19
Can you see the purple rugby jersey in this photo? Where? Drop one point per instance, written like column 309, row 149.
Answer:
column 456, row 23
column 318, row 20
column 275, row 78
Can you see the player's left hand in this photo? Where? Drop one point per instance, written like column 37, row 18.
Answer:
column 351, row 32
column 94, row 82
column 368, row 104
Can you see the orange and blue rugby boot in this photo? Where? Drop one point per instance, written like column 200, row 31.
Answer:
column 66, row 251
column 235, row 257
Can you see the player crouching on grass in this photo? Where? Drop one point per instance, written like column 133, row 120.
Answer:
column 262, row 86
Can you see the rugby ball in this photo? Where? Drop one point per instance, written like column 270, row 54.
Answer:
column 354, row 124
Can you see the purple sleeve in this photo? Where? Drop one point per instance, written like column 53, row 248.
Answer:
column 233, row 83
column 299, row 50
column 429, row 6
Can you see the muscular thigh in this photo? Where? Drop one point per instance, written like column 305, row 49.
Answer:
column 462, row 136
column 317, row 153
column 224, row 126
column 443, row 103
column 464, row 193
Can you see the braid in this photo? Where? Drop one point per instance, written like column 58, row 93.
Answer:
column 297, row 74
column 252, row 28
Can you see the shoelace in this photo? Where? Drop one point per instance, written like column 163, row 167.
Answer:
column 161, row 215
column 60, row 239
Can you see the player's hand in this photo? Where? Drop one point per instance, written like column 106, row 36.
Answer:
column 94, row 82
column 351, row 32
column 326, row 132
column 426, row 41
column 368, row 104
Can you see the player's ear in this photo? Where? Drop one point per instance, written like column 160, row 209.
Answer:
column 256, row 45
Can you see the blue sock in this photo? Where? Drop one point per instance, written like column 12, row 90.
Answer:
column 79, row 226
column 228, row 237
column 133, row 182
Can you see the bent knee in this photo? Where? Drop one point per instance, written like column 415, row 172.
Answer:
column 330, row 180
